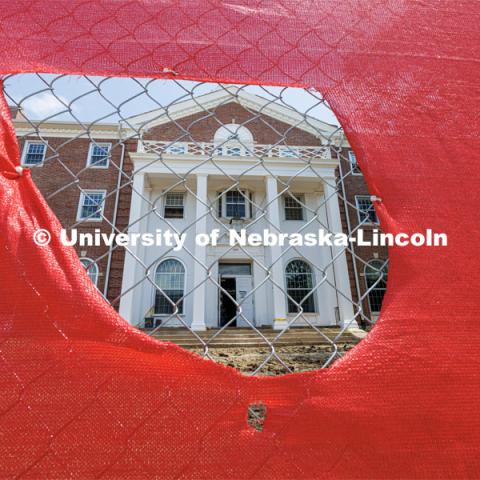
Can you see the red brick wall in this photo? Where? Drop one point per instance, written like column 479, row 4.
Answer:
column 123, row 213
column 355, row 185
column 62, row 175
column 59, row 179
column 202, row 126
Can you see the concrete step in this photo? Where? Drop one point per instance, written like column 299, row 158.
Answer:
column 248, row 338
column 314, row 336
column 244, row 331
column 257, row 345
column 255, row 337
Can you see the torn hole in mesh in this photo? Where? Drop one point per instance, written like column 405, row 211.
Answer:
column 121, row 167
column 256, row 416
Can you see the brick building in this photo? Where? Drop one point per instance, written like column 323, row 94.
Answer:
column 184, row 161
column 368, row 266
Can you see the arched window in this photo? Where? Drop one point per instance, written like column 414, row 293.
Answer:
column 300, row 281
column 233, row 140
column 170, row 277
column 92, row 269
column 376, row 273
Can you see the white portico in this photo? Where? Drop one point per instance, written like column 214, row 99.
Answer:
column 234, row 182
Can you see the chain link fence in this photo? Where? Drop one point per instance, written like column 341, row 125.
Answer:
column 115, row 156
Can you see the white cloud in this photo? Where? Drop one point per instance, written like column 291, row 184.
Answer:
column 44, row 105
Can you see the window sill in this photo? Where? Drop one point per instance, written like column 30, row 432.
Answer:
column 98, row 167
column 369, row 225
column 89, row 220
column 33, row 165
column 228, row 220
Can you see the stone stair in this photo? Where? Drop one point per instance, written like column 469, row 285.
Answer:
column 247, row 337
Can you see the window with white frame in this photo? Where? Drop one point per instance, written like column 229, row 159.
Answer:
column 366, row 210
column 376, row 274
column 91, row 205
column 293, row 206
column 99, row 154
column 92, row 269
column 170, row 278
column 352, row 158
column 235, row 204
column 300, row 281
column 174, row 205
column 34, row 152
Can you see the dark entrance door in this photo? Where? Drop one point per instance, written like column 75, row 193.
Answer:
column 228, row 308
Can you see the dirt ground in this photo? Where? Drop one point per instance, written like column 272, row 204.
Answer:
column 297, row 358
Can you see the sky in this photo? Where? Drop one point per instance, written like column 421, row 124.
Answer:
column 87, row 99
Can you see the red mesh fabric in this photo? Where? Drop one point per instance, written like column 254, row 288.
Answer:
column 83, row 395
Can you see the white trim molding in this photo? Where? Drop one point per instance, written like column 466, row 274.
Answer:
column 226, row 95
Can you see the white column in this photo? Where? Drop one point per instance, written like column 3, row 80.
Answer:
column 340, row 265
column 327, row 293
column 138, row 208
column 260, row 302
column 276, row 271
column 199, row 272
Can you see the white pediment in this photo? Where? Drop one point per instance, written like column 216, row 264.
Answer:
column 224, row 96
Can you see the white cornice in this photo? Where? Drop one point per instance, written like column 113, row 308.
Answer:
column 190, row 162
column 66, row 130
column 161, row 116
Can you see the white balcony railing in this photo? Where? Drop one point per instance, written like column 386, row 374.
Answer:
column 254, row 151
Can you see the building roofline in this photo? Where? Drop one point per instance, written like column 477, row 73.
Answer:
column 68, row 124
column 178, row 110
column 226, row 95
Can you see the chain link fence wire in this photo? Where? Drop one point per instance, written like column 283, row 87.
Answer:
column 117, row 155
